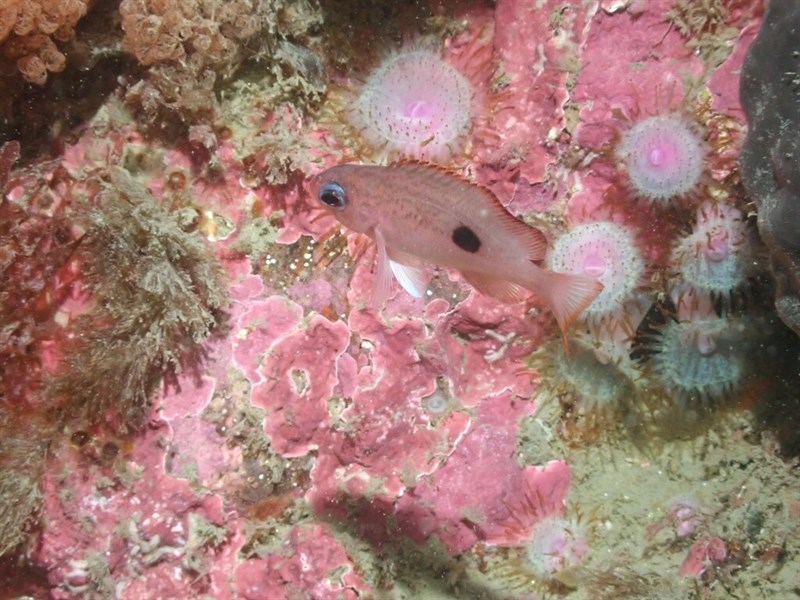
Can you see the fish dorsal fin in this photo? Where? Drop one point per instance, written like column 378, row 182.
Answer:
column 534, row 241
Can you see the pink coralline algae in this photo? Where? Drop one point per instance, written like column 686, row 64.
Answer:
column 302, row 372
column 321, row 394
column 528, row 47
column 703, row 555
column 140, row 530
column 439, row 506
column 309, row 563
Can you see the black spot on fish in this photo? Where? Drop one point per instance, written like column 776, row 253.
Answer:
column 465, row 238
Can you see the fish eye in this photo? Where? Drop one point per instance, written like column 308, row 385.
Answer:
column 333, row 195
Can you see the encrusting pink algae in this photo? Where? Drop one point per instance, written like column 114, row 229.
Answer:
column 200, row 398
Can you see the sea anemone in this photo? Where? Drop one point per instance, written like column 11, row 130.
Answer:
column 550, row 555
column 421, row 103
column 544, row 547
column 700, row 361
column 416, row 105
column 607, row 251
column 716, row 258
column 598, row 375
column 556, row 548
column 663, row 157
column 596, row 385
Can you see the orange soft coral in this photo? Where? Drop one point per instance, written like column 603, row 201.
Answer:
column 204, row 30
column 188, row 45
column 29, row 30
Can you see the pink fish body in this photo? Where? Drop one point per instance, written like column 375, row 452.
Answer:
column 419, row 213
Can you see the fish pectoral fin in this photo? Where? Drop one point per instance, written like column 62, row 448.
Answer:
column 500, row 289
column 411, row 278
column 409, row 272
column 382, row 285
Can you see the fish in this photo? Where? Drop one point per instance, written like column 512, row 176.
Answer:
column 419, row 213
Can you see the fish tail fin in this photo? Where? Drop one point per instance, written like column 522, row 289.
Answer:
column 567, row 295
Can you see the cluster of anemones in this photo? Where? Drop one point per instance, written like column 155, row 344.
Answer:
column 676, row 246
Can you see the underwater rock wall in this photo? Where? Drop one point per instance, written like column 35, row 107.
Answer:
column 770, row 158
column 198, row 399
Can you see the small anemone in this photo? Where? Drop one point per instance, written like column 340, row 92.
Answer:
column 552, row 556
column 699, row 362
column 607, row 251
column 422, row 103
column 557, row 547
column 598, row 376
column 415, row 105
column 663, row 157
column 716, row 258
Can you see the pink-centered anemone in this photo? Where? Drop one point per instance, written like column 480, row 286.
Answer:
column 663, row 157
column 716, row 258
column 607, row 251
column 418, row 104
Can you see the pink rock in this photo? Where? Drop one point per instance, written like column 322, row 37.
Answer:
column 315, row 294
column 190, row 399
column 704, row 553
column 197, row 450
column 498, row 337
column 310, row 563
column 139, row 534
column 260, row 323
column 724, row 82
column 299, row 377
column 384, row 441
column 533, row 54
column 626, row 70
column 468, row 498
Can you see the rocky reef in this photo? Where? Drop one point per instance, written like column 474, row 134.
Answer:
column 199, row 400
column 770, row 94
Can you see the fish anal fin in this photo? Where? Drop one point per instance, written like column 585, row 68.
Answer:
column 500, row 289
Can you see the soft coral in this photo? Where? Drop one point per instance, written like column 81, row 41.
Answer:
column 29, row 30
